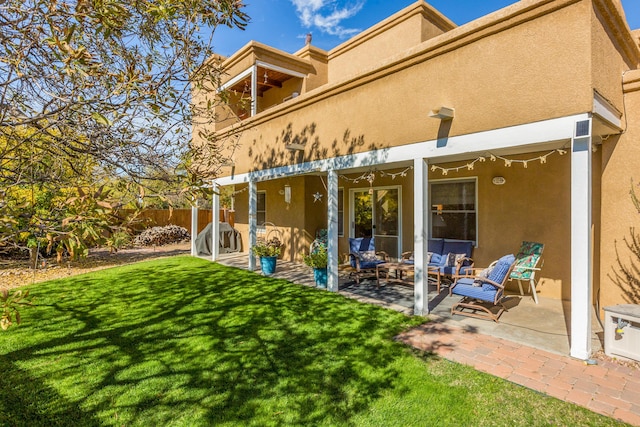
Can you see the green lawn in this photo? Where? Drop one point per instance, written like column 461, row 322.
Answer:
column 185, row 342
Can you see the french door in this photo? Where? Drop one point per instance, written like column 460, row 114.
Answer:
column 376, row 212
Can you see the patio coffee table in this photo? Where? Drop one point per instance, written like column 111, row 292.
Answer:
column 400, row 268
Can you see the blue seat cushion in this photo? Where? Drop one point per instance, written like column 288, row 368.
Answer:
column 437, row 260
column 466, row 269
column 358, row 246
column 457, row 247
column 452, row 270
column 465, row 288
column 370, row 264
column 500, row 270
column 435, row 245
column 361, row 244
column 446, row 270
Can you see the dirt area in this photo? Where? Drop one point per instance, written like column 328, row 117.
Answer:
column 15, row 273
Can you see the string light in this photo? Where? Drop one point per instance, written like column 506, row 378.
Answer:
column 507, row 162
column 370, row 175
column 239, row 191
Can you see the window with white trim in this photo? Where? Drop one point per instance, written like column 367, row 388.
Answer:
column 454, row 209
column 261, row 209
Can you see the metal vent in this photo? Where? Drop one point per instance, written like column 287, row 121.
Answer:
column 583, row 129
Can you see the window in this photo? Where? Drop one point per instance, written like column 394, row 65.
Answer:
column 261, row 209
column 453, row 209
column 340, row 212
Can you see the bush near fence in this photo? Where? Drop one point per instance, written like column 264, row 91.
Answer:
column 160, row 217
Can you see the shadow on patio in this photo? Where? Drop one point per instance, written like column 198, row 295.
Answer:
column 545, row 325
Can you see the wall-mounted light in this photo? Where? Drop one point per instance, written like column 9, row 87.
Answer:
column 443, row 113
column 287, row 194
column 294, row 147
column 498, row 180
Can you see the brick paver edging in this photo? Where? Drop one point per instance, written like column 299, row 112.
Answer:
column 606, row 388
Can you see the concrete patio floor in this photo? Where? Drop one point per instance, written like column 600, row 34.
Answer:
column 545, row 326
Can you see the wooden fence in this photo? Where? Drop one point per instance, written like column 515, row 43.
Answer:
column 180, row 217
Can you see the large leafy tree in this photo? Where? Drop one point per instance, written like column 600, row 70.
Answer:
column 94, row 92
column 107, row 78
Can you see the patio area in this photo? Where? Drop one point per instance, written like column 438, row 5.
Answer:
column 545, row 326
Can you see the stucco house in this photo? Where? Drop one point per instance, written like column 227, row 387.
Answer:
column 521, row 125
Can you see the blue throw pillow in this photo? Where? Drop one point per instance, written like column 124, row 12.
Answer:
column 435, row 259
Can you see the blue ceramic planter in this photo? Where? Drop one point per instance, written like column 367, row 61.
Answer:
column 320, row 276
column 268, row 265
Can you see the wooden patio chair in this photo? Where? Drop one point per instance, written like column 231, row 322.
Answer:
column 482, row 293
column 364, row 258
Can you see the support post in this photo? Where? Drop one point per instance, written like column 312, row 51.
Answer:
column 581, row 245
column 215, row 222
column 254, row 91
column 420, row 233
column 253, row 209
column 332, row 230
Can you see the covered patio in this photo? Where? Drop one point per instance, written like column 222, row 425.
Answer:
column 545, row 326
column 548, row 198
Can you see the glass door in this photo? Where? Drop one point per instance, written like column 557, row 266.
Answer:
column 376, row 213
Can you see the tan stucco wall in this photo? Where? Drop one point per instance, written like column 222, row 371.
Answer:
column 318, row 59
column 296, row 223
column 621, row 164
column 405, row 29
column 528, row 72
column 530, row 62
column 532, row 205
column 607, row 62
column 277, row 95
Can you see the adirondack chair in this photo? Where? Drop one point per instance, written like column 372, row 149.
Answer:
column 482, row 293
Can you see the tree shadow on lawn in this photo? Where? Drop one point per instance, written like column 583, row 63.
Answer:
column 186, row 340
column 28, row 401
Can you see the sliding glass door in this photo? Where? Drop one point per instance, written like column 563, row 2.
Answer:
column 376, row 213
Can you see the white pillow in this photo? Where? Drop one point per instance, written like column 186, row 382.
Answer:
column 452, row 259
column 368, row 256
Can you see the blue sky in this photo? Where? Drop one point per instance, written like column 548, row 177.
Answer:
column 283, row 24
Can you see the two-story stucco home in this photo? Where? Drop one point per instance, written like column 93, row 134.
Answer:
column 523, row 125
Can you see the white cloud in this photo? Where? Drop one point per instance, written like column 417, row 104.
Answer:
column 326, row 15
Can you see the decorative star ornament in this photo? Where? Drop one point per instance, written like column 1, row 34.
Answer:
column 317, row 197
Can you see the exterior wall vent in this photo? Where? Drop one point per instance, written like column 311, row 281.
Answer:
column 583, row 129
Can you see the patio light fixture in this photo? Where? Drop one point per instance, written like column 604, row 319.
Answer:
column 443, row 113
column 294, row 147
column 498, row 180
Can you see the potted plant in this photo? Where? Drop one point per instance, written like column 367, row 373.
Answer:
column 317, row 259
column 268, row 253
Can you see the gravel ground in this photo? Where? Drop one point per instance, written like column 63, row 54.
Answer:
column 16, row 273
